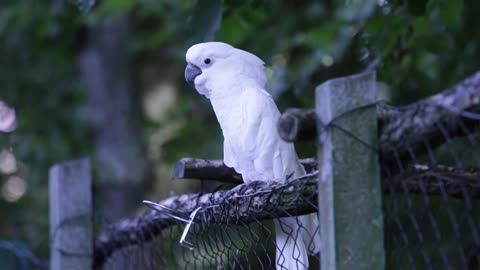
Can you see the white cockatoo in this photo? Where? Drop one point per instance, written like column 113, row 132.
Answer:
column 234, row 81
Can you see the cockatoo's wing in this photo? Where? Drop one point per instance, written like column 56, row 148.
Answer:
column 273, row 159
column 228, row 154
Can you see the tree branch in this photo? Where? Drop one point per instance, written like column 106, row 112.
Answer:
column 407, row 128
column 204, row 169
column 436, row 180
column 297, row 125
column 435, row 120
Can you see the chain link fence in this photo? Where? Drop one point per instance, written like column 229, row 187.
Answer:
column 432, row 209
column 234, row 232
column 429, row 158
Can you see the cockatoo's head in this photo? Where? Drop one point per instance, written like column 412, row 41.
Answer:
column 216, row 68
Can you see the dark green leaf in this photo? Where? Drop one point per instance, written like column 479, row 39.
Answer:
column 448, row 12
column 417, row 7
column 451, row 12
column 205, row 20
column 357, row 10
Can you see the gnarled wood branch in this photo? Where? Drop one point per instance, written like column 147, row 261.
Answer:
column 430, row 122
column 204, row 169
column 436, row 180
column 407, row 128
column 297, row 125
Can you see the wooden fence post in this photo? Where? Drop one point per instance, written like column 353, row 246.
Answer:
column 70, row 187
column 350, row 208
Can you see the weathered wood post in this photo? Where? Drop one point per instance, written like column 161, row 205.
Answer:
column 351, row 221
column 70, row 187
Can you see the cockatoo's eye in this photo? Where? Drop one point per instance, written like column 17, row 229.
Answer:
column 207, row 61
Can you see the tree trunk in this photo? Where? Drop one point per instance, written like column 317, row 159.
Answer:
column 121, row 164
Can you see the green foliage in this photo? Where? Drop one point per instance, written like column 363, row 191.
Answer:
column 417, row 47
column 38, row 74
column 205, row 20
column 424, row 46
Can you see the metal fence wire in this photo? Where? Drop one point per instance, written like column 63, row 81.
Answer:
column 430, row 184
column 431, row 208
column 234, row 232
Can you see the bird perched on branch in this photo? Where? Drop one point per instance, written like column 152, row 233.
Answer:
column 234, row 82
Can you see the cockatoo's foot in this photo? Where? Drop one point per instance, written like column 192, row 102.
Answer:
column 242, row 190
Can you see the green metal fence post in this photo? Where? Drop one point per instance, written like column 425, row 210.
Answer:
column 350, row 208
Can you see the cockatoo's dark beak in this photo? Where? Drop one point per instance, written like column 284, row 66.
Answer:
column 191, row 72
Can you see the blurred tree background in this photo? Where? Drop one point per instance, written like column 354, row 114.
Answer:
column 104, row 79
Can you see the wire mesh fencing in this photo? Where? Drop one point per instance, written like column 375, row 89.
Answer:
column 228, row 230
column 432, row 208
column 430, row 178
